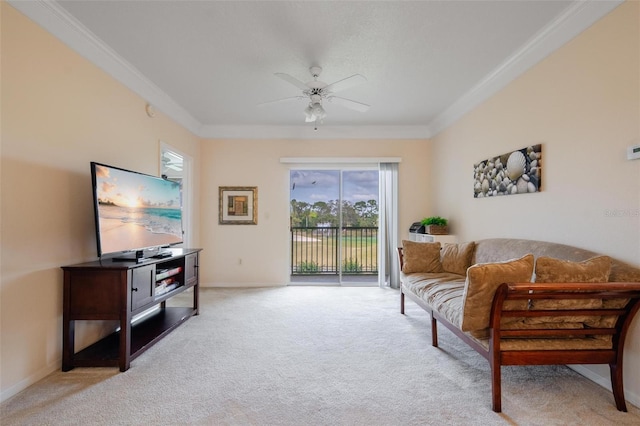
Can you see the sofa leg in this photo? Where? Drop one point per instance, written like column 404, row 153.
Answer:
column 617, row 386
column 401, row 302
column 496, row 391
column 434, row 331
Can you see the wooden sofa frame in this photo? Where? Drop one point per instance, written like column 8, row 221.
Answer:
column 553, row 291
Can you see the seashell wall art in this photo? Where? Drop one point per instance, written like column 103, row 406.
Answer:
column 517, row 172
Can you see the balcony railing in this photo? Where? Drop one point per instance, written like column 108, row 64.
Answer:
column 329, row 250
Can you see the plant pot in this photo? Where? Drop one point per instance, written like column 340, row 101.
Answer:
column 436, row 229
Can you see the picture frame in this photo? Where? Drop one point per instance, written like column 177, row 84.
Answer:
column 516, row 172
column 238, row 205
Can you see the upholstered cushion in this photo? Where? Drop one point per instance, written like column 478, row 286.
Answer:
column 481, row 284
column 442, row 292
column 623, row 272
column 421, row 257
column 551, row 270
column 594, row 270
column 456, row 258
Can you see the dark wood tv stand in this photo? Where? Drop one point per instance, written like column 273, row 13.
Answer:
column 108, row 290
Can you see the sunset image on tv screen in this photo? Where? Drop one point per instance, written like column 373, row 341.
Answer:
column 136, row 211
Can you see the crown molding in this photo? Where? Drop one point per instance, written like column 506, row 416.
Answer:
column 579, row 16
column 339, row 160
column 308, row 132
column 576, row 18
column 55, row 19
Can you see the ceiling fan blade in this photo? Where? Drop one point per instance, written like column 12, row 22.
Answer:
column 277, row 101
column 357, row 106
column 286, row 77
column 345, row 83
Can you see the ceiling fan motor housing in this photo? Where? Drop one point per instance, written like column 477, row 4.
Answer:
column 315, row 71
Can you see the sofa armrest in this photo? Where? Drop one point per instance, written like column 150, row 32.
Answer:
column 573, row 287
column 400, row 258
column 563, row 310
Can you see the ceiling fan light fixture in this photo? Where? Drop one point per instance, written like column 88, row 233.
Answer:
column 308, row 113
column 314, row 112
column 318, row 111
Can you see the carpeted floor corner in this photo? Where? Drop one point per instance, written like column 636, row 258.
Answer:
column 310, row 356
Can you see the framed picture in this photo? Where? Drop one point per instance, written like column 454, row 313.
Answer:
column 238, row 205
column 516, row 172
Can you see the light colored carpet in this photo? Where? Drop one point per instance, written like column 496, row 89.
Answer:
column 310, row 356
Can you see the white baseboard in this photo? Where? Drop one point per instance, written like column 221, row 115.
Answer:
column 36, row 377
column 605, row 382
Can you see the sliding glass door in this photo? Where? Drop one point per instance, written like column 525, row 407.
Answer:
column 334, row 226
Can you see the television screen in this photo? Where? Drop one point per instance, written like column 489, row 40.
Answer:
column 134, row 211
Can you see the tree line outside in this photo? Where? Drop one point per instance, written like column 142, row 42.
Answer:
column 326, row 213
column 315, row 250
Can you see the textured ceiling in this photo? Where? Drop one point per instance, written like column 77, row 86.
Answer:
column 216, row 59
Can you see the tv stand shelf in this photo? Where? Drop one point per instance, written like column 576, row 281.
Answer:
column 107, row 290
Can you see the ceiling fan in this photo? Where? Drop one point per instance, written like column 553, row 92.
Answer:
column 316, row 92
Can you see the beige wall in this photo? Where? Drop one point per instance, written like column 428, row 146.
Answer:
column 583, row 105
column 59, row 112
column 264, row 249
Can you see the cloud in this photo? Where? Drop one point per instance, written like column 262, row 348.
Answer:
column 102, row 172
column 315, row 178
column 364, row 196
column 107, row 187
column 323, row 185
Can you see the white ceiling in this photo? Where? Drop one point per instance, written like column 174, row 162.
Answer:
column 208, row 64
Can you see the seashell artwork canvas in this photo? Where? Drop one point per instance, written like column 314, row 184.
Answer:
column 517, row 172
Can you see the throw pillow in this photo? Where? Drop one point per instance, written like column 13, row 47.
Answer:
column 420, row 257
column 551, row 270
column 456, row 258
column 482, row 281
column 594, row 270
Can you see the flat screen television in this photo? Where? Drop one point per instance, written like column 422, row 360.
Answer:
column 136, row 215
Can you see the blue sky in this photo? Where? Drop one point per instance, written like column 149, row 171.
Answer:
column 323, row 185
column 132, row 189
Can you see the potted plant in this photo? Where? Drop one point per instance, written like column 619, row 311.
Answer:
column 435, row 225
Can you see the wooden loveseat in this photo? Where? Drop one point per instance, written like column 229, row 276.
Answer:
column 523, row 302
